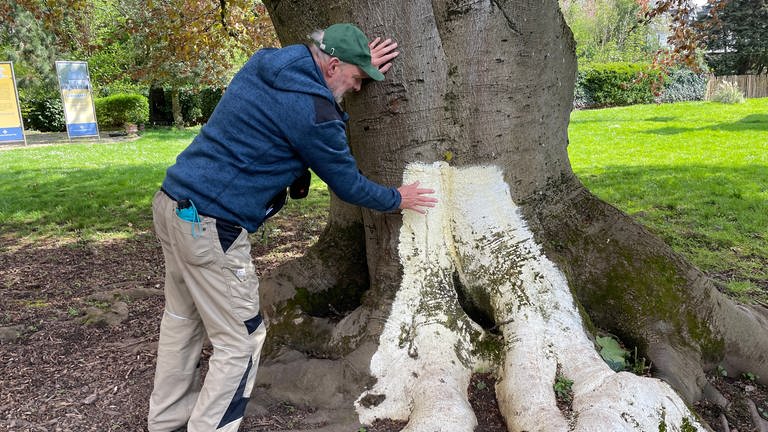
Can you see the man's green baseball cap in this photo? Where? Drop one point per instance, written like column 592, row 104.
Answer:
column 349, row 44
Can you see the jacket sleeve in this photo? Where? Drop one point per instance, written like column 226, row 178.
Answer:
column 321, row 140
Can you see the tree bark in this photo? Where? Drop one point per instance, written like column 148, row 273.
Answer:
column 178, row 118
column 477, row 106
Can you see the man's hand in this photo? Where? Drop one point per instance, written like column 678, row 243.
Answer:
column 382, row 53
column 413, row 198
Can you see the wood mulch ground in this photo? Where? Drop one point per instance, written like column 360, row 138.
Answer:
column 58, row 373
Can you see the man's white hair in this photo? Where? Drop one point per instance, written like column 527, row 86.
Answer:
column 317, row 45
column 317, row 36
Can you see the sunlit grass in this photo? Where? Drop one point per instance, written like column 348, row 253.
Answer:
column 87, row 190
column 695, row 173
column 98, row 191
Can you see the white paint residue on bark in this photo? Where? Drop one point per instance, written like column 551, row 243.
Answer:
column 424, row 361
column 420, row 359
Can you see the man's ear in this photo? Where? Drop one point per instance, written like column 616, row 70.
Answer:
column 333, row 66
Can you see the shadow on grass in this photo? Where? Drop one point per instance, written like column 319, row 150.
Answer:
column 752, row 122
column 715, row 216
column 48, row 202
column 714, row 207
column 83, row 202
column 695, row 187
column 661, row 119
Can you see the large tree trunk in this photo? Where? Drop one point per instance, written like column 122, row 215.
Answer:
column 395, row 312
column 178, row 118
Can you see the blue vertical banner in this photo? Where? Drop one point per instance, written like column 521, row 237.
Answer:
column 11, row 123
column 76, row 96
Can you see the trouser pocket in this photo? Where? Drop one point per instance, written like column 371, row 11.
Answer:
column 194, row 241
column 228, row 233
column 243, row 285
column 242, row 282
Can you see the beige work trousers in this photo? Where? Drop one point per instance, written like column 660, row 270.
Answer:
column 207, row 290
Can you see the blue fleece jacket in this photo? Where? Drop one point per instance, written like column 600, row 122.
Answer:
column 276, row 118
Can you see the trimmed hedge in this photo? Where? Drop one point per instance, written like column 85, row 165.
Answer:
column 613, row 84
column 43, row 113
column 117, row 110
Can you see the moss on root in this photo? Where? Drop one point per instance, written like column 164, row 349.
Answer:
column 630, row 283
column 334, row 302
column 303, row 322
column 640, row 289
column 490, row 347
column 298, row 331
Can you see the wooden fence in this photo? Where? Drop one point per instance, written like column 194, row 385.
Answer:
column 753, row 86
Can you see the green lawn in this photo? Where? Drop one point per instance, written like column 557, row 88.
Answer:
column 695, row 173
column 85, row 189
column 93, row 191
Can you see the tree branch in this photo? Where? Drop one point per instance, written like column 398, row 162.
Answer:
column 223, row 18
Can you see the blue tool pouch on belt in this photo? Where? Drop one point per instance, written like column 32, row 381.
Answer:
column 185, row 210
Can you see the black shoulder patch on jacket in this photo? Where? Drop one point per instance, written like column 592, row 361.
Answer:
column 325, row 110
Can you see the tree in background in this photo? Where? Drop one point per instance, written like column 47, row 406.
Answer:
column 612, row 30
column 736, row 37
column 132, row 43
column 39, row 33
column 31, row 48
column 27, row 41
column 180, row 43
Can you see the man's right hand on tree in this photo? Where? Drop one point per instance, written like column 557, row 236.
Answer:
column 412, row 197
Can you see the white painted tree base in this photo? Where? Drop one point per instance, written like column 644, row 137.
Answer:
column 425, row 357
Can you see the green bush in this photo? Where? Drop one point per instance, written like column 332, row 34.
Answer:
column 117, row 87
column 119, row 109
column 684, row 85
column 197, row 105
column 581, row 97
column 43, row 113
column 612, row 84
column 728, row 93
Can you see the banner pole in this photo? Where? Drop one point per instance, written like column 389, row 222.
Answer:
column 11, row 121
column 77, row 99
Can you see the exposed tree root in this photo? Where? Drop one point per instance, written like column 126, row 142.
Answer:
column 724, row 423
column 632, row 284
column 760, row 424
column 428, row 349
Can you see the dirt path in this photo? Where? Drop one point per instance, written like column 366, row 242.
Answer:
column 38, row 139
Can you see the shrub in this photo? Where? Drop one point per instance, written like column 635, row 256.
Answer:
column 209, row 98
column 43, row 113
column 728, row 93
column 611, row 84
column 117, row 87
column 197, row 105
column 119, row 109
column 684, row 85
column 581, row 97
